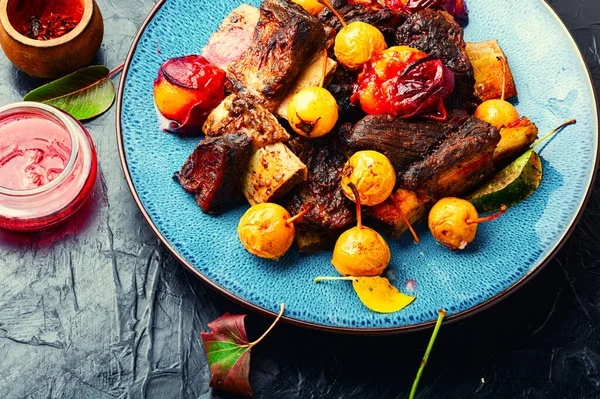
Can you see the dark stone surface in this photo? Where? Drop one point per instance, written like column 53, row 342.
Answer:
column 98, row 309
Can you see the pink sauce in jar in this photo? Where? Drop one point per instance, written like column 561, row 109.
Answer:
column 33, row 151
column 48, row 166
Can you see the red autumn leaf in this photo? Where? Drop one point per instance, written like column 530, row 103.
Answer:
column 228, row 352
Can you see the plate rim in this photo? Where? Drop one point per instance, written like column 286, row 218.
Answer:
column 337, row 329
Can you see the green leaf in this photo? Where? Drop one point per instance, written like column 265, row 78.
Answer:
column 84, row 94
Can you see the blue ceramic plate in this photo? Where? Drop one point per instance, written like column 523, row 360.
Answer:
column 554, row 86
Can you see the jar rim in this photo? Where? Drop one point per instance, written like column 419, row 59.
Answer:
column 64, row 120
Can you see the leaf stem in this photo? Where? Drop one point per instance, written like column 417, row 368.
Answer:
column 441, row 314
column 558, row 129
column 251, row 344
column 116, row 70
column 337, row 14
column 495, row 216
column 319, row 279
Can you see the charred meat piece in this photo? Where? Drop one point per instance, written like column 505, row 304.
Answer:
column 404, row 142
column 213, row 170
column 437, row 34
column 312, row 240
column 464, row 97
column 233, row 37
column 456, row 8
column 340, row 132
column 342, row 88
column 460, row 163
column 285, row 40
column 371, row 12
column 323, row 191
column 238, row 113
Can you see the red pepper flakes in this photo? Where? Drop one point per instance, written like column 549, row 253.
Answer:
column 48, row 27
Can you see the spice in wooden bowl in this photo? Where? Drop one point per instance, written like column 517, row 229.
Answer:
column 48, row 27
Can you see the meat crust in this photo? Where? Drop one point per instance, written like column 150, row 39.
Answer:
column 213, row 170
column 237, row 113
column 382, row 18
column 331, row 210
column 404, row 142
column 341, row 88
column 437, row 34
column 311, row 240
column 460, row 163
column 285, row 39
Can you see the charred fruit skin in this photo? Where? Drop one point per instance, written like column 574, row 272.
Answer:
column 361, row 252
column 404, row 82
column 187, row 82
column 448, row 222
column 264, row 231
column 373, row 175
column 173, row 102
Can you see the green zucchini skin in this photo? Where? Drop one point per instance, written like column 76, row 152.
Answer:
column 511, row 185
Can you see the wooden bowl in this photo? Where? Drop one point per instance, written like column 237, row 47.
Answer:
column 56, row 57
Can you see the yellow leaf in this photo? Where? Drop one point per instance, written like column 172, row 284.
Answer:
column 379, row 295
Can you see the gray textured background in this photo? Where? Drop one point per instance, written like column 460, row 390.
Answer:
column 98, row 309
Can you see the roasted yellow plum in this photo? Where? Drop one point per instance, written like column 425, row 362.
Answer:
column 372, row 174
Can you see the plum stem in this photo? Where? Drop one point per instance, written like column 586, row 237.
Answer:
column 337, row 14
column 441, row 314
column 558, row 129
column 299, row 215
column 503, row 61
column 322, row 81
column 251, row 344
column 319, row 279
column 406, row 221
column 495, row 216
column 357, row 200
column 418, row 62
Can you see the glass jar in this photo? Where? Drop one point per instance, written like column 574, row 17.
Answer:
column 35, row 196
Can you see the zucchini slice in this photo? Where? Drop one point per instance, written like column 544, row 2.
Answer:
column 511, row 185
